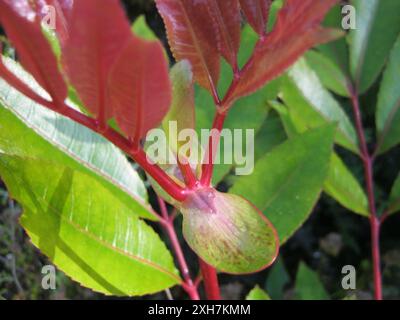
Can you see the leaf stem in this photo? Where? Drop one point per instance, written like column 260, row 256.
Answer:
column 368, row 162
column 210, row 279
column 168, row 225
column 213, row 143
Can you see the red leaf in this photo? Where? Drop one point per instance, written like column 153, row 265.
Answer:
column 63, row 9
column 256, row 12
column 35, row 53
column 225, row 17
column 187, row 35
column 97, row 35
column 297, row 29
column 139, row 87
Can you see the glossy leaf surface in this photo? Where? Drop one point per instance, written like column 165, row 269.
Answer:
column 256, row 13
column 187, row 34
column 28, row 129
column 93, row 237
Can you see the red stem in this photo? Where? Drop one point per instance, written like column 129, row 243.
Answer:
column 187, row 173
column 210, row 279
column 213, row 142
column 367, row 159
column 168, row 225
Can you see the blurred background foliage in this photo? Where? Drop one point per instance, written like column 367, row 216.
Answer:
column 310, row 263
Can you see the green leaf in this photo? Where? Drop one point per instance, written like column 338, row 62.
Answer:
column 328, row 72
column 141, row 29
column 30, row 130
column 337, row 51
column 286, row 191
column 92, row 236
column 342, row 186
column 340, row 183
column 277, row 279
column 257, row 294
column 388, row 110
column 181, row 114
column 311, row 105
column 378, row 26
column 228, row 232
column 308, row 286
column 270, row 135
column 394, row 200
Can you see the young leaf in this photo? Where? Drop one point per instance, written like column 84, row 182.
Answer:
column 97, row 35
column 394, row 200
column 225, row 17
column 370, row 43
column 308, row 286
column 187, row 34
column 182, row 111
column 344, row 187
column 228, row 232
column 256, row 12
column 139, row 87
column 286, row 191
column 28, row 129
column 93, row 237
column 257, row 294
column 34, row 51
column 388, row 109
column 311, row 105
column 296, row 30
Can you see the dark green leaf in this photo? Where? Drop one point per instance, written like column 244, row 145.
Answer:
column 378, row 26
column 277, row 279
column 394, row 201
column 388, row 110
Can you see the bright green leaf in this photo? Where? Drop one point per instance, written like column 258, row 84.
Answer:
column 93, row 237
column 257, row 294
column 344, row 187
column 311, row 105
column 388, row 110
column 378, row 26
column 30, row 130
column 308, row 285
column 141, row 29
column 286, row 191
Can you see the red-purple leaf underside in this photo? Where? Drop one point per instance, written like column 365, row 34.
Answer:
column 34, row 51
column 225, row 18
column 256, row 13
column 98, row 33
column 297, row 29
column 187, row 32
column 139, row 87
